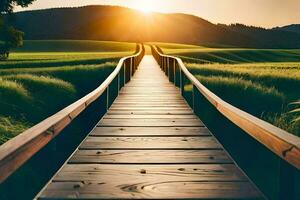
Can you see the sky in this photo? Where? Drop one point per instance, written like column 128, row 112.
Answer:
column 263, row 13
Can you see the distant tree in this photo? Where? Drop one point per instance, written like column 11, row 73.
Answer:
column 9, row 36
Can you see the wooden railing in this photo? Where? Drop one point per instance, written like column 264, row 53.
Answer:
column 18, row 150
column 280, row 142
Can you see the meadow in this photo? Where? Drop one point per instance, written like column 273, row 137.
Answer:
column 263, row 82
column 43, row 77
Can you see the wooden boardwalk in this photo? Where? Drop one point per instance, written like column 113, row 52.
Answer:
column 150, row 145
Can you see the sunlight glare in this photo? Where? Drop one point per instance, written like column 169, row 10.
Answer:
column 145, row 6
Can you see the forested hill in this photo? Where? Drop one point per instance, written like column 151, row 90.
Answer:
column 291, row 28
column 123, row 24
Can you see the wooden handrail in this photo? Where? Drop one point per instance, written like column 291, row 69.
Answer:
column 18, row 150
column 280, row 142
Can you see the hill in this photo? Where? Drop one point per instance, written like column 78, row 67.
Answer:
column 291, row 28
column 124, row 24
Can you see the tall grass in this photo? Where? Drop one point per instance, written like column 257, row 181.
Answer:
column 14, row 98
column 35, row 85
column 259, row 81
column 285, row 77
column 245, row 94
column 296, row 111
column 10, row 128
column 234, row 55
column 30, row 95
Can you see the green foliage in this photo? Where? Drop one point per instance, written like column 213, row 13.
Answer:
column 7, row 6
column 10, row 38
column 14, row 38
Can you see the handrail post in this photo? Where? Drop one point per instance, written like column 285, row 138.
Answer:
column 131, row 68
column 167, row 66
column 169, row 60
column 193, row 97
column 181, row 83
column 107, row 98
column 119, row 83
column 124, row 73
column 174, row 72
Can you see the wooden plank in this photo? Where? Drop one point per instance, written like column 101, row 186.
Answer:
column 151, row 109
column 151, row 190
column 150, row 122
column 150, row 96
column 149, row 103
column 150, row 117
column 179, row 143
column 161, row 105
column 150, row 131
column 132, row 174
column 145, row 90
column 145, row 101
column 150, row 157
column 149, row 112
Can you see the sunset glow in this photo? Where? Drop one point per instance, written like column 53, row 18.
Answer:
column 145, row 6
column 216, row 11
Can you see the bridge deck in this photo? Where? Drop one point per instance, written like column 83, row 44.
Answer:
column 150, row 145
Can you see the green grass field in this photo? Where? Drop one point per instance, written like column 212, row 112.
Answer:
column 262, row 82
column 45, row 76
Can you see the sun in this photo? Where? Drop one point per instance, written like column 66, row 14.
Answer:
column 145, row 6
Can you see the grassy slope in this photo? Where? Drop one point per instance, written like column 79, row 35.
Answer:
column 34, row 85
column 261, row 82
column 74, row 46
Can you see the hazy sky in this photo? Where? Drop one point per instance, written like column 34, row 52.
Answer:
column 266, row 13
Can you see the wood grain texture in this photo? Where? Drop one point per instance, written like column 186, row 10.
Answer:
column 150, row 157
column 157, row 189
column 150, row 112
column 150, row 145
column 132, row 174
column 150, row 117
column 150, row 122
column 150, row 131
